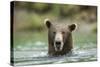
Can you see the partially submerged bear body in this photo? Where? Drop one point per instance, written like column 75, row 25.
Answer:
column 59, row 38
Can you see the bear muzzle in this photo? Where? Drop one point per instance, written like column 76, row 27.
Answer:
column 58, row 45
column 58, row 42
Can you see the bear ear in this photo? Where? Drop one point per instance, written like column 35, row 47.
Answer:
column 72, row 27
column 48, row 23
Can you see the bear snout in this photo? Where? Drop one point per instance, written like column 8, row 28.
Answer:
column 58, row 42
column 58, row 45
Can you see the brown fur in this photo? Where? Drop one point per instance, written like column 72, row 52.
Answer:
column 67, row 36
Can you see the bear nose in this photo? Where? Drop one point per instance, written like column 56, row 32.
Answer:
column 58, row 42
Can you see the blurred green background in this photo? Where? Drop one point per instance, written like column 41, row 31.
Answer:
column 30, row 30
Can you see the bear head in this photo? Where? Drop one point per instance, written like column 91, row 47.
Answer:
column 59, row 36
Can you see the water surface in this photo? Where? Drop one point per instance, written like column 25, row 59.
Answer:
column 32, row 49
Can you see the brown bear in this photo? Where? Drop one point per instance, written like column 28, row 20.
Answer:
column 59, row 38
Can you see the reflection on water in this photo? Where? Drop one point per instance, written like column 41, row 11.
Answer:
column 34, row 50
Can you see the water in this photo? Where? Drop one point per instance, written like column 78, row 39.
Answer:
column 29, row 50
column 41, row 57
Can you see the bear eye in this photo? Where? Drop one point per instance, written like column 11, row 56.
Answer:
column 63, row 32
column 54, row 32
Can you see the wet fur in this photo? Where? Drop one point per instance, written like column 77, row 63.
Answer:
column 68, row 41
